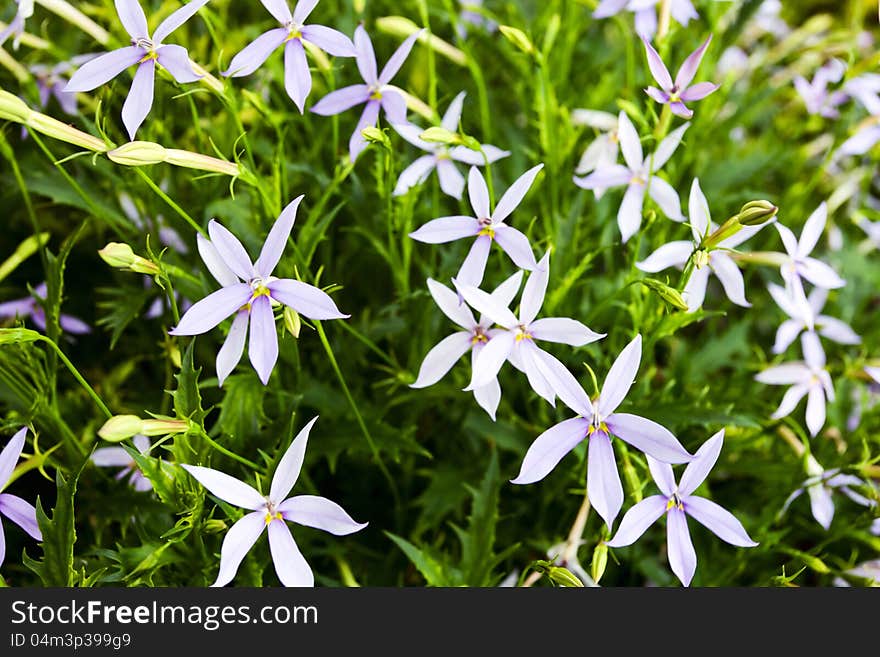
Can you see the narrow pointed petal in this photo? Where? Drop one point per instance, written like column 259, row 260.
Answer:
column 666, row 197
column 297, row 78
column 613, row 175
column 263, row 343
column 111, row 457
column 515, row 194
column 21, row 513
column 478, row 193
column 175, row 60
column 668, row 146
column 629, row 215
column 836, row 330
column 608, row 8
column 646, row 22
column 237, row 543
column 290, row 565
column 516, row 245
column 140, row 97
column 279, row 9
column 603, row 481
column 704, row 460
column 564, row 384
column 215, row 264
column 620, row 377
column 689, row 68
column 821, row 504
column 694, row 292
column 663, row 476
column 789, row 241
column 452, row 116
column 329, row 40
column 785, row 374
column 394, row 105
column 656, row 94
column 277, row 238
column 564, row 331
column 549, row 448
column 815, row 410
column 441, row 358
column 790, row 400
column 648, row 436
column 698, row 212
column 658, row 69
column 474, row 265
column 451, row 306
column 365, row 56
column 417, row 173
column 680, row 109
column 447, row 229
column 231, row 251
column 204, row 315
column 817, row 299
column 637, row 520
column 451, row 180
column 302, row 10
column 233, row 347
column 320, row 513
column 814, row 354
column 534, row 291
column 468, row 156
column 70, row 324
column 673, row 254
column 505, row 292
column 861, row 142
column 679, row 548
column 410, row 132
column 290, row 464
column 537, row 381
column 132, row 17
column 342, row 99
column 10, row 455
column 369, row 117
column 718, row 520
column 229, row 489
column 17, row 308
column 731, row 278
column 785, row 301
column 396, row 60
column 698, row 91
column 630, row 145
column 490, row 360
column 813, row 229
column 488, row 396
column 820, row 274
column 786, row 334
column 176, row 19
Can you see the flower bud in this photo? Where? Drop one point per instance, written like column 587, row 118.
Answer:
column 163, row 427
column 192, row 160
column 292, row 322
column 726, row 230
column 563, row 577
column 13, row 108
column 46, row 125
column 755, row 213
column 518, row 38
column 437, row 135
column 600, row 561
column 669, row 294
column 138, row 153
column 121, row 256
column 121, row 427
column 376, row 136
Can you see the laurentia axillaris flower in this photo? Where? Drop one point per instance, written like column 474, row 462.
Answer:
column 13, row 507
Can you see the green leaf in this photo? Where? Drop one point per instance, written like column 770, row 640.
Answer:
column 187, row 399
column 477, row 557
column 428, row 566
column 160, row 474
column 241, row 411
column 22, row 252
column 59, row 535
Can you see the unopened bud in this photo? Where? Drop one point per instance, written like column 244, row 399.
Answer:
column 437, row 135
column 669, row 294
column 121, row 256
column 214, row 526
column 163, row 427
column 563, row 577
column 471, row 142
column 518, row 38
column 13, row 108
column 46, row 125
column 121, row 427
column 725, row 231
column 292, row 322
column 600, row 561
column 376, row 136
column 755, row 213
column 192, row 160
column 138, row 153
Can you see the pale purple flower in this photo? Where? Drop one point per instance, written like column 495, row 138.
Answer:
column 639, row 176
column 873, row 372
column 768, row 19
column 715, row 261
column 808, row 377
column 677, row 502
column 473, row 337
column 820, row 485
column 117, row 457
column 516, row 342
column 376, row 92
column 598, row 421
column 13, row 507
column 16, row 25
column 292, row 33
column 471, row 15
column 145, row 52
column 603, row 150
column 799, row 263
column 862, row 141
column 441, row 156
column 865, row 88
column 807, row 316
column 677, row 93
column 487, row 226
column 30, row 307
column 646, row 13
column 51, row 82
column 815, row 93
column 270, row 512
column 250, row 292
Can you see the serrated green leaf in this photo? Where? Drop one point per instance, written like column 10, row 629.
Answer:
column 427, row 565
column 187, row 398
column 59, row 535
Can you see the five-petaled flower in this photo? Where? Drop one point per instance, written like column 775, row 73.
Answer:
column 799, row 263
column 488, row 226
column 639, row 177
column 292, row 34
column 249, row 290
column 604, row 149
column 376, row 92
column 676, row 94
column 270, row 512
column 677, row 501
column 30, row 307
column 645, row 12
column 806, row 315
column 815, row 93
column 13, row 507
column 145, row 51
column 598, row 422
column 16, row 25
column 473, row 338
column 117, row 457
column 441, row 156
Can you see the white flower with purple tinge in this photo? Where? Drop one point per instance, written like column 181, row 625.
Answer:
column 471, row 14
column 30, row 307
column 486, row 227
column 603, row 150
column 474, row 337
column 250, row 291
column 639, row 176
column 808, row 377
column 597, row 422
column 16, row 25
column 144, row 52
column 676, row 94
column 270, row 512
column 441, row 156
column 799, row 263
column 715, row 261
column 820, row 485
column 516, row 342
column 376, row 92
column 815, row 93
column 51, row 82
column 13, row 507
column 677, row 502
column 117, row 457
column 807, row 316
column 292, row 33
column 646, row 13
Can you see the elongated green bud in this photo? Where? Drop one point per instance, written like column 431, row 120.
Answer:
column 13, row 108
column 138, row 153
column 600, row 561
column 46, row 125
column 163, row 427
column 669, row 294
column 563, row 577
column 292, row 321
column 755, row 213
column 192, row 160
column 437, row 135
column 518, row 38
column 121, row 427
column 121, row 256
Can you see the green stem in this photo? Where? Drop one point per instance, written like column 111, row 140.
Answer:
column 228, row 453
column 179, row 210
column 94, row 395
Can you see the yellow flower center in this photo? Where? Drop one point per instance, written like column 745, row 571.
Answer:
column 488, row 230
column 272, row 516
column 675, row 501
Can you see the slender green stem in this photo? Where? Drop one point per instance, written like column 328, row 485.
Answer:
column 28, row 204
column 228, row 453
column 161, row 194
column 70, row 366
